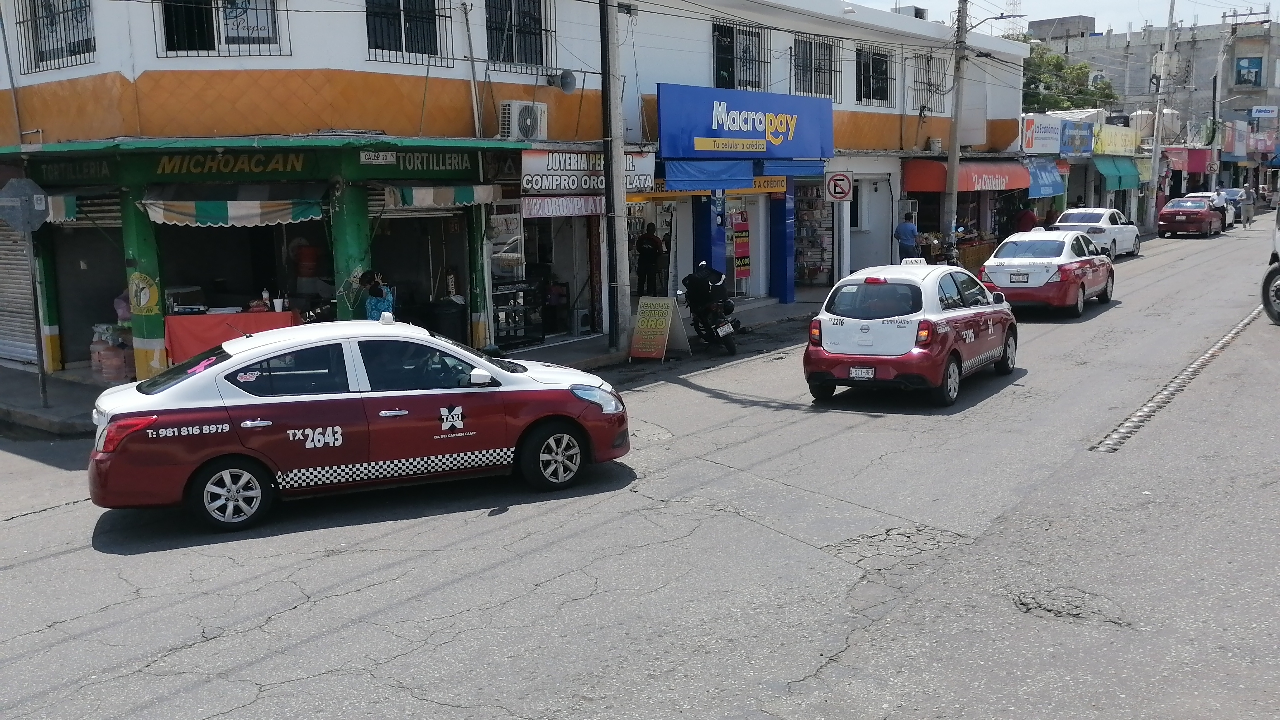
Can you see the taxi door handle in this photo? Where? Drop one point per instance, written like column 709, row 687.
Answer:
column 393, row 413
column 255, row 423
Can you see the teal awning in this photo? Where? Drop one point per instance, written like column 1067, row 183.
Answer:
column 1130, row 178
column 1119, row 173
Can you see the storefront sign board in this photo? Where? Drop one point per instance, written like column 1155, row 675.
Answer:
column 700, row 122
column 1115, row 140
column 761, row 184
column 250, row 166
column 95, row 171
column 658, row 329
column 562, row 206
column 572, row 173
column 1041, row 134
column 1077, row 139
column 1264, row 111
column 741, row 238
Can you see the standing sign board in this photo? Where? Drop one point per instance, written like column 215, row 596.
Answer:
column 658, row 329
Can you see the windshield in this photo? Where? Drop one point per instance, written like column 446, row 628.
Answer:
column 1184, row 204
column 507, row 365
column 183, row 370
column 875, row 301
column 1234, row 193
column 1079, row 217
column 1030, row 249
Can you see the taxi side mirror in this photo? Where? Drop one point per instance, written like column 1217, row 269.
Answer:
column 480, row 377
column 997, row 298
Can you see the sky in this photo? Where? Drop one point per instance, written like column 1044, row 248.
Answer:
column 1117, row 15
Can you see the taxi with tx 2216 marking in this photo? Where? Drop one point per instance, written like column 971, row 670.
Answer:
column 340, row 406
column 912, row 326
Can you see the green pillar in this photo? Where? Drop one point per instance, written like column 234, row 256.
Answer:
column 146, row 294
column 479, row 280
column 351, row 253
column 48, row 296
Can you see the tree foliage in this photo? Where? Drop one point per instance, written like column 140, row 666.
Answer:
column 1049, row 82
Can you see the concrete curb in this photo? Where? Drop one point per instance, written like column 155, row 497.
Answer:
column 57, row 426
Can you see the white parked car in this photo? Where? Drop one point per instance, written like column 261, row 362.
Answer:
column 1231, row 208
column 1106, row 227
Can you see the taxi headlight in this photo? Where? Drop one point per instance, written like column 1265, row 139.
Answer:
column 610, row 404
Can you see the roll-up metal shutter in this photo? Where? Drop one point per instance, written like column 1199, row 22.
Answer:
column 101, row 210
column 17, row 311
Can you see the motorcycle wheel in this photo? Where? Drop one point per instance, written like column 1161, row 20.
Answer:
column 1271, row 294
column 730, row 345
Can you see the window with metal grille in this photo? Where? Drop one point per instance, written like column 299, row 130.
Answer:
column 54, row 34
column 815, row 66
column 409, row 31
column 186, row 28
column 740, row 56
column 929, row 92
column 521, row 34
column 874, row 67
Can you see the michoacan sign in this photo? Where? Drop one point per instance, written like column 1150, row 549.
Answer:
column 247, row 165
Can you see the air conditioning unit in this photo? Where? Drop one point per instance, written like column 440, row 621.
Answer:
column 521, row 120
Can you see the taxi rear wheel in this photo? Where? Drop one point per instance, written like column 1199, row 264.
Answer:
column 1104, row 297
column 231, row 494
column 1077, row 309
column 822, row 390
column 552, row 456
column 945, row 394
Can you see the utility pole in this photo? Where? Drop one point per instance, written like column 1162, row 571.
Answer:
column 1166, row 57
column 615, row 199
column 949, row 200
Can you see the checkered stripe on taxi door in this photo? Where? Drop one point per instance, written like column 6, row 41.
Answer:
column 333, row 474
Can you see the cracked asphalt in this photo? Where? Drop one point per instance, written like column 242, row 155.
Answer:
column 756, row 555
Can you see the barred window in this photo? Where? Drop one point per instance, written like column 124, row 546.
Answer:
column 874, row 66
column 409, row 31
column 815, row 66
column 929, row 92
column 186, row 28
column 741, row 56
column 54, row 34
column 521, row 34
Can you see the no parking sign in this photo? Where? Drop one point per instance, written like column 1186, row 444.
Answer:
column 838, row 187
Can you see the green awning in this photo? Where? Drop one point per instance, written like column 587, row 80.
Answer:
column 234, row 205
column 1130, row 178
column 62, row 208
column 1107, row 169
column 446, row 196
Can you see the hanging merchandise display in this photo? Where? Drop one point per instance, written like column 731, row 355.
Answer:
column 815, row 231
column 741, row 245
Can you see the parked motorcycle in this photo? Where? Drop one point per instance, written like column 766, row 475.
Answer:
column 707, row 298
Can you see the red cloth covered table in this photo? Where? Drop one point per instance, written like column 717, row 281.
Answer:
column 186, row 336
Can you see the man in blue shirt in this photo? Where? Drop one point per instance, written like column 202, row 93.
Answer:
column 906, row 233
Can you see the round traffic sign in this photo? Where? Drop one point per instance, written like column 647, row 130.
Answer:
column 839, row 187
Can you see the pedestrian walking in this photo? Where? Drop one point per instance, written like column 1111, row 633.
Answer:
column 906, row 234
column 1247, row 200
column 648, row 253
column 1219, row 204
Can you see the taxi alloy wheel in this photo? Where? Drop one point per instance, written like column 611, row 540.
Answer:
column 1108, row 292
column 1137, row 246
column 552, row 456
column 1004, row 365
column 232, row 494
column 1271, row 294
column 1078, row 309
column 946, row 393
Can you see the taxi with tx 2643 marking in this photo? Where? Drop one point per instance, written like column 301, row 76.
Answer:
column 913, row 326
column 340, row 406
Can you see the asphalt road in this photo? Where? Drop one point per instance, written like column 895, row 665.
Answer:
column 756, row 555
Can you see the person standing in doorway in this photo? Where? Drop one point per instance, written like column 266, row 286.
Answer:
column 906, row 234
column 1079, row 201
column 1025, row 220
column 648, row 256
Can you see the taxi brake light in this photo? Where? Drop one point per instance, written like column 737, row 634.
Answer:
column 874, row 281
column 815, row 332
column 118, row 430
column 924, row 333
column 982, row 274
column 1056, row 276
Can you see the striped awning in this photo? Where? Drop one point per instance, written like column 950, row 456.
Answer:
column 415, row 196
column 234, row 205
column 62, row 208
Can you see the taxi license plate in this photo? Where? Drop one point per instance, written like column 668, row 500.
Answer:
column 1019, row 277
column 1180, row 218
column 724, row 330
column 861, row 373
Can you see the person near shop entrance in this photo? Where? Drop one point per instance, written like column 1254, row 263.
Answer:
column 1219, row 204
column 648, row 257
column 378, row 297
column 1079, row 201
column 1026, row 219
column 1051, row 217
column 905, row 234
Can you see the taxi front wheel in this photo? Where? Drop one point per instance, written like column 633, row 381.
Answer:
column 552, row 456
column 231, row 494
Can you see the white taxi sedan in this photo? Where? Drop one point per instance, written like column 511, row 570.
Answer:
column 1106, row 227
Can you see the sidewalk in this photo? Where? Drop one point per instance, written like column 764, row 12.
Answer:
column 70, row 404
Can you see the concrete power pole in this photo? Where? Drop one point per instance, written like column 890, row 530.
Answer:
column 1166, row 57
column 615, row 198
column 949, row 200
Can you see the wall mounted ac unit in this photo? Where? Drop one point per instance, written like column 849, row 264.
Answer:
column 521, row 120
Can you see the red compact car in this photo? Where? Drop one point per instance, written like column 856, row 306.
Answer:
column 911, row 326
column 336, row 406
column 1191, row 215
column 1057, row 269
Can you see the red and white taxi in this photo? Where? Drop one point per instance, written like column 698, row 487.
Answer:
column 911, row 326
column 340, row 406
column 1058, row 269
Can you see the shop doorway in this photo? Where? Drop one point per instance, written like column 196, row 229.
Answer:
column 815, row 235
column 423, row 260
column 558, row 257
column 90, row 272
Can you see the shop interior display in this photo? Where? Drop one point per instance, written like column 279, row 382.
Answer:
column 815, row 230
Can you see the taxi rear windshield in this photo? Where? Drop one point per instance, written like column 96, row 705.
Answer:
column 875, row 301
column 183, row 370
column 1079, row 217
column 1030, row 249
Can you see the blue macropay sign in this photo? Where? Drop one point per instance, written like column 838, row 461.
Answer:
column 699, row 122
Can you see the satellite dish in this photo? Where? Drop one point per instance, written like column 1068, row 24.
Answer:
column 566, row 80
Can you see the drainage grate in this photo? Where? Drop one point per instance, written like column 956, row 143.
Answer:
column 1134, row 422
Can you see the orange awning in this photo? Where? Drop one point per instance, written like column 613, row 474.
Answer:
column 931, row 176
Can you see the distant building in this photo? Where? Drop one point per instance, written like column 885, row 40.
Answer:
column 1064, row 27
